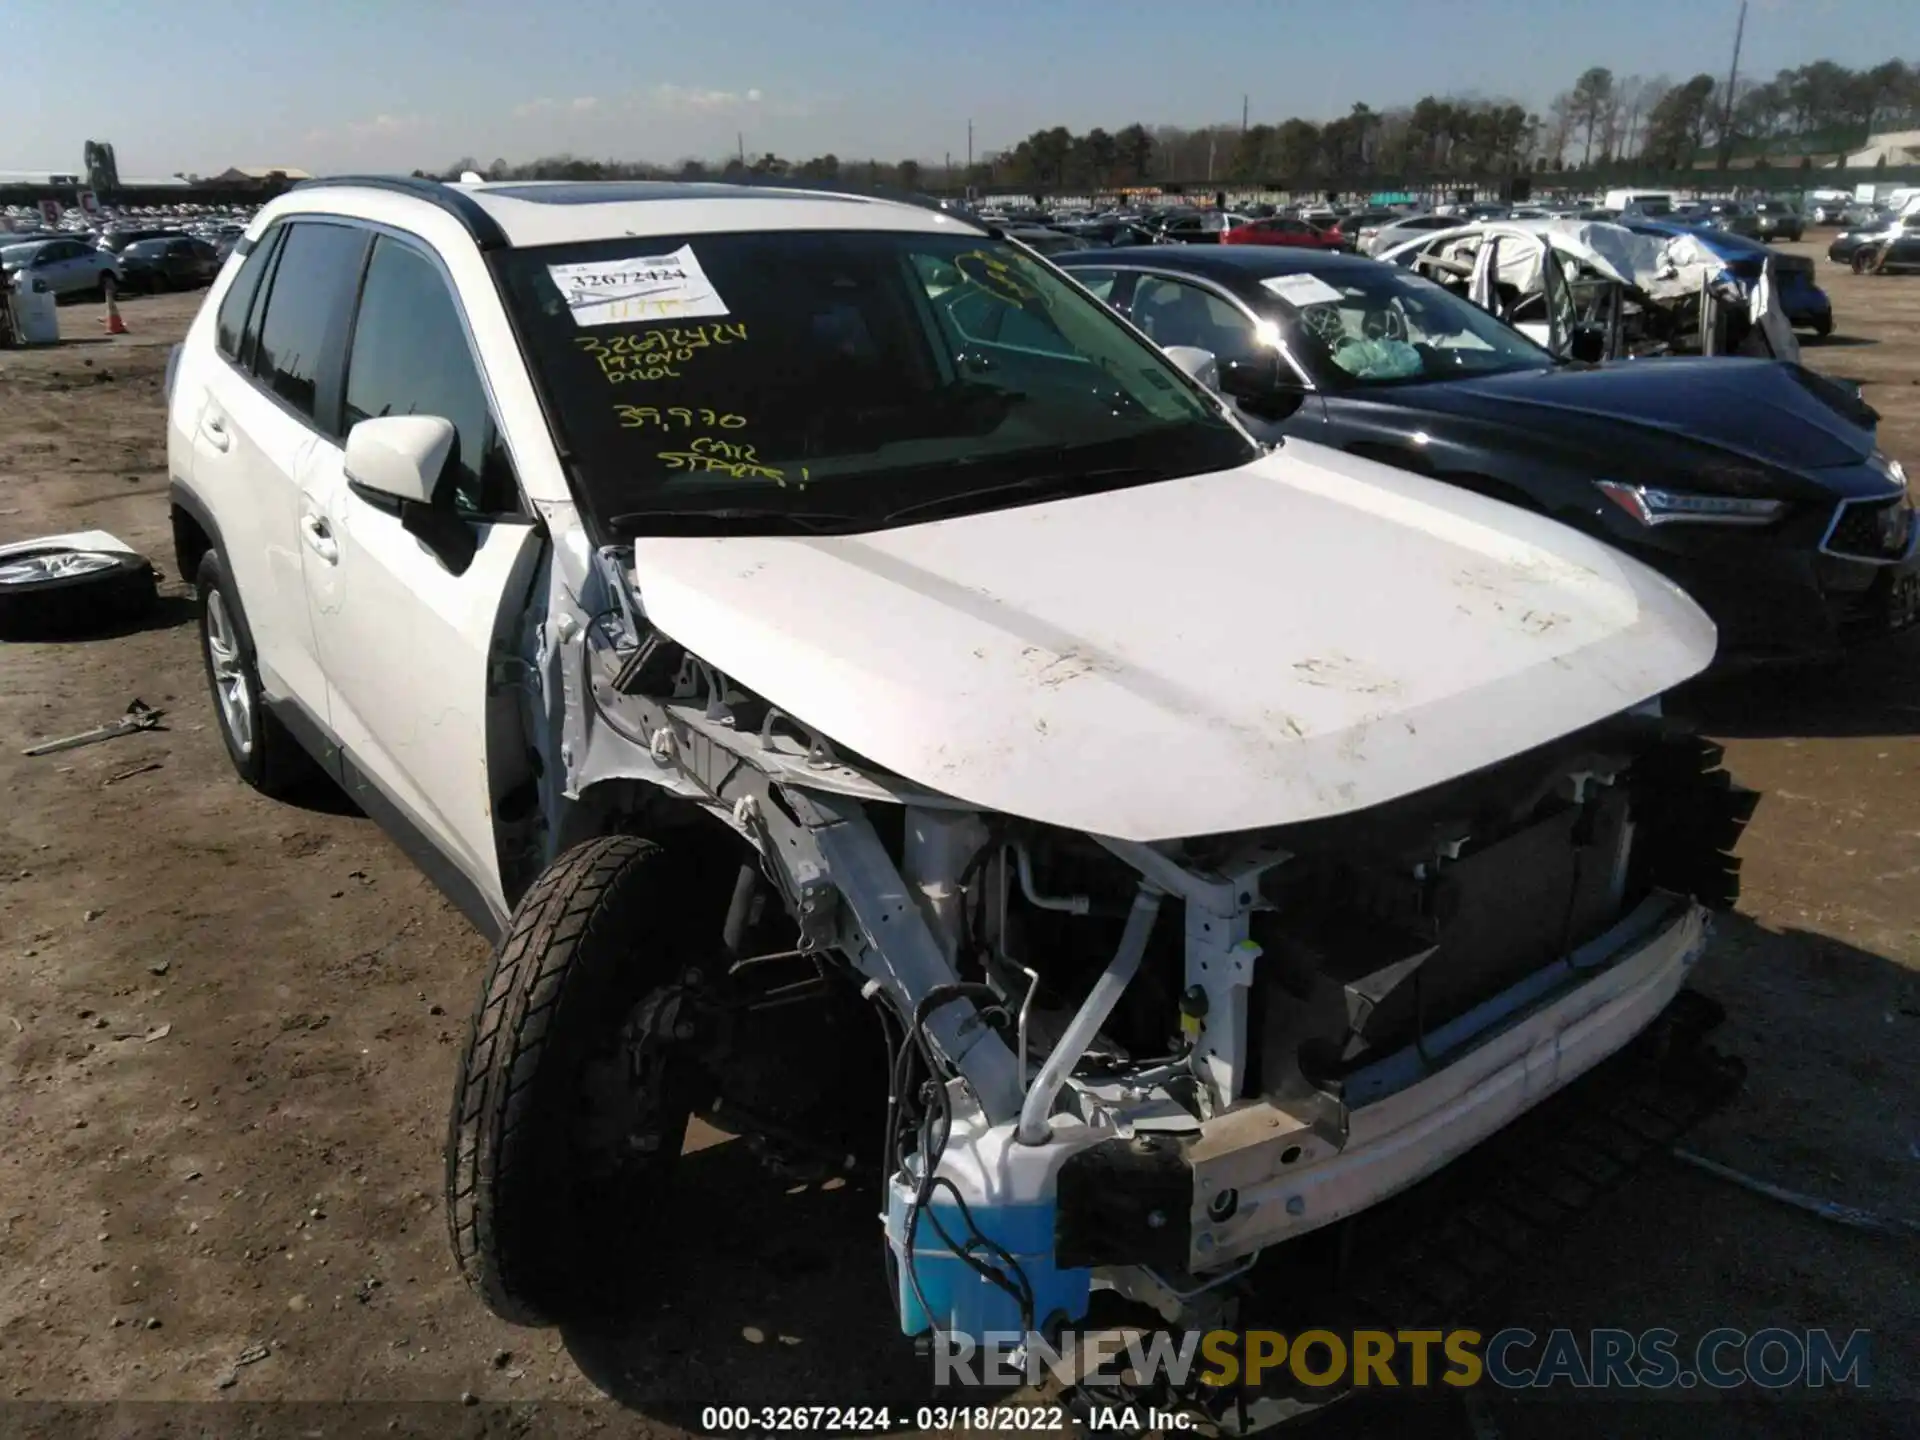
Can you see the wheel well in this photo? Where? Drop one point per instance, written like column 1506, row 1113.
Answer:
column 190, row 543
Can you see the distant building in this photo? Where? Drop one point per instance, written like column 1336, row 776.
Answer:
column 1895, row 147
column 258, row 175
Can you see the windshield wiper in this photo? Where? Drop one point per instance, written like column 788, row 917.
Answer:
column 1058, row 486
column 737, row 519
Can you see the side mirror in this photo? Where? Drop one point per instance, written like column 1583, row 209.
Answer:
column 400, row 456
column 395, row 462
column 1201, row 365
column 1256, row 377
column 1588, row 345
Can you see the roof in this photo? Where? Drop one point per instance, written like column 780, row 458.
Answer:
column 1228, row 264
column 523, row 213
column 263, row 172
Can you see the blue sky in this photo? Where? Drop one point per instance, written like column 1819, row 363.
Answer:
column 198, row 85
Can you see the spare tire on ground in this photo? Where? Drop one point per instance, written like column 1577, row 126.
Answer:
column 71, row 585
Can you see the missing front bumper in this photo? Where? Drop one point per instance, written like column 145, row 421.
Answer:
column 1264, row 1173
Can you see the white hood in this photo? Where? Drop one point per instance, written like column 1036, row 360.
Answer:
column 1304, row 636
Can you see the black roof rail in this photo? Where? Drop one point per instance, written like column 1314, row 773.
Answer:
column 484, row 229
column 840, row 187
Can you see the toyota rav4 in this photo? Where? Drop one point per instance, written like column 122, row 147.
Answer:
column 788, row 620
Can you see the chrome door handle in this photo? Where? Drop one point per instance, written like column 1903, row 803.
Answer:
column 319, row 538
column 216, row 432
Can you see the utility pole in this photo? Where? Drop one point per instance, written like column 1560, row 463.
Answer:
column 1733, row 76
column 969, row 157
column 1243, row 114
column 740, row 145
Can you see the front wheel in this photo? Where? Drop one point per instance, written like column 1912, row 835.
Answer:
column 577, row 1081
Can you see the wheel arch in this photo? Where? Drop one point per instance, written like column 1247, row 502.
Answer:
column 194, row 531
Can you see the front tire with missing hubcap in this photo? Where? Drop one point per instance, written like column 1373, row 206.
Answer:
column 577, row 1082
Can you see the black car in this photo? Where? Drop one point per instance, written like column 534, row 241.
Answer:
column 1108, row 232
column 1855, row 235
column 1754, row 484
column 179, row 263
column 118, row 240
column 1860, row 249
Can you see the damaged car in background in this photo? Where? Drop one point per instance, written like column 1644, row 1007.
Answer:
column 1223, row 839
column 1599, row 290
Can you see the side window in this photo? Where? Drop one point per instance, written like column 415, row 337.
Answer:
column 411, row 356
column 1175, row 313
column 1100, row 282
column 304, row 328
column 238, row 301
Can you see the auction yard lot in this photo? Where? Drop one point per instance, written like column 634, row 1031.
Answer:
column 228, row 1029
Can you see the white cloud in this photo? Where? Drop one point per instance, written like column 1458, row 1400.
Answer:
column 694, row 100
column 385, row 125
column 579, row 105
column 379, row 127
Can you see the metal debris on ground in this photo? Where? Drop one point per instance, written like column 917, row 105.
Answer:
column 129, row 774
column 140, row 716
column 1848, row 1215
column 252, row 1355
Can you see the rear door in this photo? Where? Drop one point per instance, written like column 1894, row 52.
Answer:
column 407, row 633
column 282, row 335
column 64, row 267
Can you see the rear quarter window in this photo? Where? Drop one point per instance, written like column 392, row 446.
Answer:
column 238, row 302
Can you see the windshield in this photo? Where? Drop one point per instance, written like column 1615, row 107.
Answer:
column 840, row 377
column 1380, row 326
column 145, row 249
column 17, row 254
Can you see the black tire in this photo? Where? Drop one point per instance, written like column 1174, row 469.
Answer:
column 267, row 757
column 1823, row 327
column 103, row 588
column 1862, row 260
column 543, row 1215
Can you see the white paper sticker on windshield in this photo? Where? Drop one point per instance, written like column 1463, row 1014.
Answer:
column 1301, row 290
column 646, row 287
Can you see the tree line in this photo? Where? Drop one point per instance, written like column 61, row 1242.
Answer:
column 1600, row 120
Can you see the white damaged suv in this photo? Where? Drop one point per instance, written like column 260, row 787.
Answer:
column 785, row 620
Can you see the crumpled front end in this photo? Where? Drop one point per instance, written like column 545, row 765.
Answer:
column 1227, row 1044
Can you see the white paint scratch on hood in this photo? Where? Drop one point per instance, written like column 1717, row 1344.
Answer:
column 1307, row 635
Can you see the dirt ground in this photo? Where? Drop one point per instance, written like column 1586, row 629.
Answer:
column 228, row 1030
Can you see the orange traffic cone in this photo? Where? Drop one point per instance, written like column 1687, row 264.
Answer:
column 115, row 325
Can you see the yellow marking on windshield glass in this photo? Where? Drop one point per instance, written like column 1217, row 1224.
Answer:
column 656, row 354
column 639, row 417
column 994, row 275
column 710, row 454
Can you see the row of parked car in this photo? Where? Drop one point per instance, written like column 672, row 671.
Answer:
column 140, row 255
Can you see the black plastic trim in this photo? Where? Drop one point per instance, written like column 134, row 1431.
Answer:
column 419, row 847
column 473, row 217
column 181, row 498
column 305, row 727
